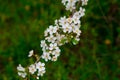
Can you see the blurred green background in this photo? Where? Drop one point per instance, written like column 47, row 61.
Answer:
column 96, row 57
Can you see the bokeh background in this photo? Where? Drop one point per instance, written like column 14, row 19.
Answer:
column 96, row 57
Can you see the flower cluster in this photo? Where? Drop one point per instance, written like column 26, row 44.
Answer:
column 21, row 71
column 71, row 4
column 65, row 30
column 38, row 68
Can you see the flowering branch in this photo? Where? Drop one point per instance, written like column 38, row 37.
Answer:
column 65, row 30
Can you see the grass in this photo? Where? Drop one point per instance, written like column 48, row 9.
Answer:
column 96, row 57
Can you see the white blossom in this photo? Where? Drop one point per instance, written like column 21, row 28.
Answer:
column 20, row 68
column 37, row 77
column 41, row 69
column 22, row 74
column 59, row 39
column 32, row 69
column 56, row 52
column 62, row 21
column 43, row 43
column 46, row 32
column 21, row 71
column 52, row 46
column 54, row 58
column 46, row 56
column 40, row 66
column 84, row 2
column 52, row 29
column 64, row 1
column 31, row 53
column 82, row 11
column 65, row 30
column 76, row 18
column 70, row 4
column 70, row 7
column 40, row 73
column 51, row 38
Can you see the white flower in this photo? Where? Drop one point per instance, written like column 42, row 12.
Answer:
column 59, row 38
column 20, row 68
column 21, row 71
column 76, row 18
column 69, row 20
column 52, row 29
column 65, row 24
column 77, row 14
column 70, row 7
column 22, row 74
column 69, row 4
column 40, row 66
column 67, row 28
column 77, row 38
column 41, row 69
column 84, row 2
column 62, row 21
column 56, row 52
column 54, row 58
column 76, row 30
column 46, row 56
column 46, row 32
column 40, row 73
column 75, row 26
column 82, row 11
column 32, row 69
column 43, row 43
column 64, row 2
column 56, row 22
column 52, row 46
column 51, row 38
column 37, row 77
column 31, row 53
